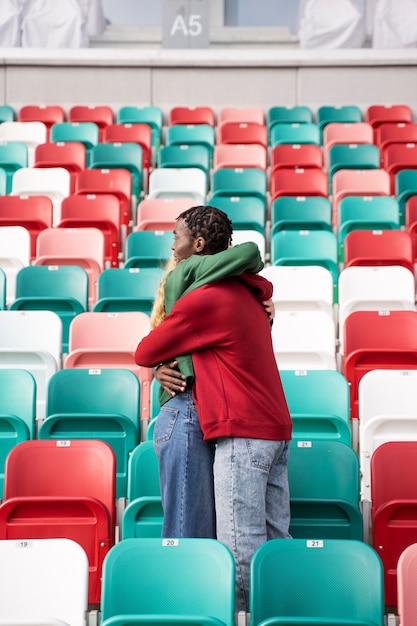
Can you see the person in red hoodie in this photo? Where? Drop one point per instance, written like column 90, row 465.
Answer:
column 240, row 403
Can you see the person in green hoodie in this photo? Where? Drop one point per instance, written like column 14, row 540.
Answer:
column 185, row 459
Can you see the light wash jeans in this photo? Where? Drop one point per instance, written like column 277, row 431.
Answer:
column 185, row 470
column 252, row 500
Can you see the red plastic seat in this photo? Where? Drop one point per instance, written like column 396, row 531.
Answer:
column 64, row 489
column 399, row 156
column 395, row 132
column 296, row 155
column 394, row 507
column 411, row 223
column 293, row 181
column 190, row 115
column 377, row 340
column 160, row 213
column 236, row 114
column 49, row 114
column 102, row 115
column 242, row 132
column 100, row 211
column 378, row 114
column 240, row 155
column 133, row 133
column 32, row 212
column 117, row 182
column 70, row 155
column 379, row 247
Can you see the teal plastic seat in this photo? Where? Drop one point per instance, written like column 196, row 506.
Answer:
column 120, row 155
column 3, row 181
column 13, row 156
column 359, row 156
column 245, row 212
column 346, row 114
column 296, row 133
column 324, row 490
column 87, row 133
column 185, row 155
column 7, row 113
column 405, row 188
column 131, row 289
column 143, row 515
column 298, row 114
column 151, row 115
column 309, row 582
column 3, row 288
column 192, row 134
column 154, row 402
column 62, row 289
column 17, row 412
column 301, row 213
column 319, row 402
column 103, row 404
column 148, row 248
column 181, row 581
column 231, row 182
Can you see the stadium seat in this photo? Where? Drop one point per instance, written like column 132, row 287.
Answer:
column 377, row 114
column 240, row 156
column 71, row 155
column 228, row 181
column 101, row 115
column 345, row 114
column 182, row 182
column 242, row 133
column 394, row 507
column 52, row 574
column 298, row 155
column 242, row 235
column 48, row 114
column 348, row 133
column 377, row 340
column 394, row 132
column 411, row 222
column 127, row 289
column 62, row 289
column 17, row 412
column 301, row 213
column 318, row 401
column 405, row 188
column 30, row 133
column 304, row 340
column 132, row 133
column 34, row 213
column 32, row 340
column 15, row 248
column 378, row 247
column 202, row 595
column 294, row 133
column 241, row 115
column 245, row 212
column 406, row 574
column 323, row 478
column 7, row 113
column 368, row 182
column 191, row 115
column 148, row 248
column 160, row 213
column 86, row 133
column 399, row 156
column 127, row 156
column 73, row 246
column 292, row 181
column 335, row 581
column 55, row 489
column 100, row 340
column 185, row 155
column 190, row 134
column 298, row 114
column 99, row 404
column 353, row 156
column 301, row 288
column 151, row 115
column 100, row 211
column 13, row 156
column 54, row 182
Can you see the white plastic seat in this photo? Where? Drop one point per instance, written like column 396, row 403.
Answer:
column 374, row 288
column 32, row 340
column 172, row 182
column 14, row 254
column 52, row 577
column 31, row 133
column 301, row 288
column 304, row 340
column 54, row 182
column 242, row 236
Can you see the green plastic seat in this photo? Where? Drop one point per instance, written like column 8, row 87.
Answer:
column 177, row 581
column 185, row 155
column 151, row 115
column 87, row 133
column 154, row 403
column 301, row 212
column 13, row 156
column 345, row 114
column 318, row 401
column 17, row 412
column 103, row 404
column 405, row 187
column 296, row 133
column 62, row 289
column 148, row 248
column 324, row 490
column 120, row 155
column 7, row 113
column 245, row 212
column 229, row 182
column 359, row 156
column 143, row 515
column 298, row 114
column 309, row 582
column 191, row 134
column 131, row 289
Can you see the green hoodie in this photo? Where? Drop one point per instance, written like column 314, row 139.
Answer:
column 199, row 270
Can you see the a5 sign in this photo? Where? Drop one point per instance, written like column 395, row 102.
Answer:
column 186, row 24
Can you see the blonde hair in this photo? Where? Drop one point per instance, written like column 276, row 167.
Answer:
column 158, row 309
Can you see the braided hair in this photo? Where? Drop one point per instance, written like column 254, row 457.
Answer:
column 210, row 223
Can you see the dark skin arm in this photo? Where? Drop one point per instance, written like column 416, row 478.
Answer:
column 171, row 379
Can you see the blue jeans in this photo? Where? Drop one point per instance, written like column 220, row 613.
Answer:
column 185, row 470
column 252, row 500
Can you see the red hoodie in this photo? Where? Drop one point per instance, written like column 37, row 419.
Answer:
column 238, row 390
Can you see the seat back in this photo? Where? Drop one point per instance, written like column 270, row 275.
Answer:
column 205, row 587
column 309, row 581
column 173, row 182
column 15, row 253
column 379, row 247
column 160, row 213
column 132, row 289
column 52, row 576
column 406, row 575
column 34, row 213
column 148, row 248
